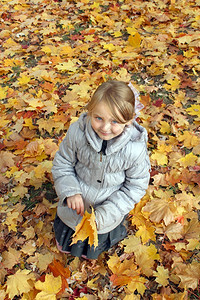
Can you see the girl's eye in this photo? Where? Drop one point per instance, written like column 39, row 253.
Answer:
column 99, row 118
column 114, row 122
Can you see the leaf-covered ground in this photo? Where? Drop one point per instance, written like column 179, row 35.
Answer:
column 53, row 55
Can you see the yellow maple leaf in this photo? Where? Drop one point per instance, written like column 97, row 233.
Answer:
column 131, row 30
column 189, row 160
column 135, row 40
column 165, row 127
column 123, row 75
column 194, row 110
column 10, row 258
column 146, row 233
column 66, row 50
column 42, row 168
column 86, row 229
column 49, row 288
column 43, row 260
column 161, row 275
column 23, row 80
column 20, row 190
column 69, row 66
column 173, row 85
column 193, row 244
column 29, row 232
column 29, row 247
column 160, row 157
column 160, row 210
column 132, row 243
column 11, row 220
column 174, row 231
column 46, row 49
column 152, row 252
column 144, row 260
column 3, row 92
column 109, row 47
column 190, row 140
column 137, row 283
column 19, row 283
column 29, row 123
column 113, row 263
column 117, row 34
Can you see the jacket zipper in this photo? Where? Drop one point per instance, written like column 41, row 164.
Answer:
column 101, row 156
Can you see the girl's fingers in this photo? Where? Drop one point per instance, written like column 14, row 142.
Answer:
column 69, row 203
column 78, row 209
column 82, row 210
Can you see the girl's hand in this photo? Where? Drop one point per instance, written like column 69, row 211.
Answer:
column 76, row 202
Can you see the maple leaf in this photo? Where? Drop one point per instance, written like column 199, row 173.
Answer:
column 10, row 257
column 188, row 274
column 162, row 275
column 194, row 110
column 29, row 233
column 29, row 247
column 18, row 283
column 132, row 243
column 190, row 140
column 165, row 127
column 6, row 160
column 86, row 229
column 173, row 84
column 58, row 270
column 160, row 157
column 135, row 40
column 3, row 92
column 69, row 66
column 49, row 288
column 123, row 272
column 137, row 283
column 23, row 80
column 11, row 220
column 160, row 210
column 191, row 229
column 146, row 233
column 189, row 160
column 144, row 260
column 173, row 231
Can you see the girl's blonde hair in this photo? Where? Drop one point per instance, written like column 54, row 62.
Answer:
column 119, row 98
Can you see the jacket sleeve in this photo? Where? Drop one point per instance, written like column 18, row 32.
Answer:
column 65, row 181
column 121, row 202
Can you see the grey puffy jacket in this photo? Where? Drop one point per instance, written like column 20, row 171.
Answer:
column 112, row 183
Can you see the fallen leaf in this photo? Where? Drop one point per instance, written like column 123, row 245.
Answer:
column 49, row 288
column 19, row 283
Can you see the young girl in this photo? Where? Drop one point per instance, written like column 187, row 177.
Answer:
column 102, row 162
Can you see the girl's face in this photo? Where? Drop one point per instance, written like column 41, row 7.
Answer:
column 104, row 124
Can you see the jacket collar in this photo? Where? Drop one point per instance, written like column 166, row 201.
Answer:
column 133, row 132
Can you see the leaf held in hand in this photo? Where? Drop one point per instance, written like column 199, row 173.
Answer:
column 86, row 229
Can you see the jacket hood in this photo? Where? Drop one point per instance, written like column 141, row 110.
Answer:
column 133, row 132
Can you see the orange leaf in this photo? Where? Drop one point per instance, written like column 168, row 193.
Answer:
column 86, row 229
column 58, row 270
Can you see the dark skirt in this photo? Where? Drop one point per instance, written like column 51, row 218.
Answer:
column 63, row 235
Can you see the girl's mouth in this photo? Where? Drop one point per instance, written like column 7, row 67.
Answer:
column 104, row 133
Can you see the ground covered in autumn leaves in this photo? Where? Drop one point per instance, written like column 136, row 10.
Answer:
column 53, row 54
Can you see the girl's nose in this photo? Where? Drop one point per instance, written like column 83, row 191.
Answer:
column 106, row 126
